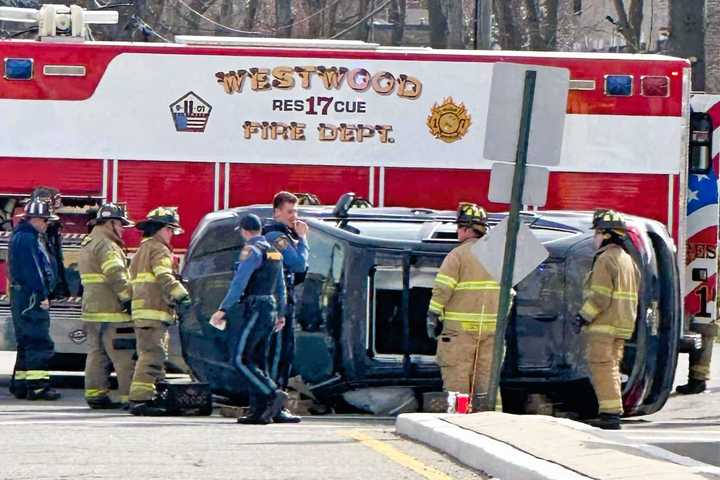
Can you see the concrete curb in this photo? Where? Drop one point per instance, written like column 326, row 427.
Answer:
column 480, row 452
column 504, row 461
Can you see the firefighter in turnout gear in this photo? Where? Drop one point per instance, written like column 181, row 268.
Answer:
column 255, row 296
column 53, row 239
column 700, row 359
column 106, row 308
column 463, row 310
column 33, row 280
column 608, row 314
column 156, row 293
column 288, row 235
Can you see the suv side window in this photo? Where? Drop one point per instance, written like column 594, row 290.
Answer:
column 317, row 296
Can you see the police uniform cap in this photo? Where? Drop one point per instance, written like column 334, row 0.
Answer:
column 251, row 223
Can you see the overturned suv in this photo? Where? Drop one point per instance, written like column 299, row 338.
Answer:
column 361, row 309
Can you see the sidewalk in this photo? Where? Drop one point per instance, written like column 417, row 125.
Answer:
column 532, row 447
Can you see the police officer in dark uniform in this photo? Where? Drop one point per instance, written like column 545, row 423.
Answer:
column 33, row 280
column 289, row 236
column 255, row 296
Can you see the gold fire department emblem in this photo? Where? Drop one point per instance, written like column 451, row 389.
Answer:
column 449, row 121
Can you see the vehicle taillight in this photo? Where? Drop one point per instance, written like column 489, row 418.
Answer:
column 18, row 69
column 655, row 86
column 619, row 85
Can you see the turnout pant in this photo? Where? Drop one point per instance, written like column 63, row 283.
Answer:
column 604, row 354
column 282, row 349
column 110, row 344
column 152, row 344
column 700, row 359
column 35, row 348
column 257, row 319
column 456, row 356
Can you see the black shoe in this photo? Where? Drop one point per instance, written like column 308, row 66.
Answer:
column 606, row 421
column 692, row 387
column 275, row 404
column 103, row 403
column 146, row 409
column 253, row 419
column 286, row 417
column 43, row 394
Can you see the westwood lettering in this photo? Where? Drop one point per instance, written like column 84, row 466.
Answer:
column 330, row 78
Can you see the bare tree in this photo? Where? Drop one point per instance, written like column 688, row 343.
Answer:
column 532, row 25
column 629, row 23
column 454, row 16
column 438, row 24
column 283, row 18
column 330, row 16
column 549, row 23
column 363, row 30
column 226, row 11
column 712, row 47
column 251, row 8
column 314, row 23
column 508, row 34
column 397, row 18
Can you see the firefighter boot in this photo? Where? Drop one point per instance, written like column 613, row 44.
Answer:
column 43, row 394
column 147, row 409
column 692, row 387
column 19, row 392
column 606, row 421
column 103, row 403
column 286, row 417
column 18, row 388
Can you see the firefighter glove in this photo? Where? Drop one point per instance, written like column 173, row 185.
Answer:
column 127, row 307
column 183, row 306
column 578, row 323
column 434, row 325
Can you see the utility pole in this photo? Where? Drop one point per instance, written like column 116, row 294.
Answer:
column 483, row 24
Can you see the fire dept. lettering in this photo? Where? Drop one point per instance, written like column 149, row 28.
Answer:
column 274, row 130
column 354, row 133
column 326, row 132
column 330, row 78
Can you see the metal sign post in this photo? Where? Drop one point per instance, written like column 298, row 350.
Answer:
column 511, row 242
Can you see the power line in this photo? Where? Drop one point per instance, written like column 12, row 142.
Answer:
column 207, row 19
column 262, row 32
column 366, row 17
column 305, row 19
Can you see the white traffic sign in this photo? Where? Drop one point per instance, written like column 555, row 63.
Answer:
column 490, row 252
column 536, row 184
column 548, row 113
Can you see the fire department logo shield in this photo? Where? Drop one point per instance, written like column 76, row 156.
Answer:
column 190, row 113
column 449, row 121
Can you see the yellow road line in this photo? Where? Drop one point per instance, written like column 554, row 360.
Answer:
column 397, row 456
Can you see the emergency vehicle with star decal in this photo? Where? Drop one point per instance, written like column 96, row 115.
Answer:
column 209, row 123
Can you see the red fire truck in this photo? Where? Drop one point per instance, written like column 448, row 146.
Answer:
column 207, row 123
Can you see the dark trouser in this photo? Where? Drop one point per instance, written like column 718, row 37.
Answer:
column 282, row 348
column 35, row 348
column 257, row 318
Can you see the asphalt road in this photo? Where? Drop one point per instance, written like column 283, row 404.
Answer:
column 47, row 440
column 66, row 440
